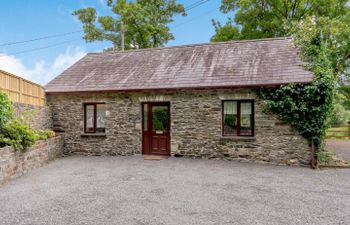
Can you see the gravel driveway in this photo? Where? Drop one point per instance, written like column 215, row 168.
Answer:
column 340, row 147
column 130, row 190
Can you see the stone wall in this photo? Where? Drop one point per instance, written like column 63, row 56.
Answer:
column 39, row 117
column 14, row 163
column 195, row 127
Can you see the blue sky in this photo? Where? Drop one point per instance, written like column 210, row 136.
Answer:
column 24, row 20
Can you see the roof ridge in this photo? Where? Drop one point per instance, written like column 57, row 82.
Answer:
column 190, row 45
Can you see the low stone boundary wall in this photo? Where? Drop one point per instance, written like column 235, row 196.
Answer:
column 14, row 163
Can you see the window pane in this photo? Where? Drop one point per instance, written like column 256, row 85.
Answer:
column 230, row 118
column 89, row 118
column 145, row 117
column 100, row 117
column 246, row 118
column 160, row 118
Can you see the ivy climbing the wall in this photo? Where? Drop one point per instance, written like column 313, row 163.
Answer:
column 307, row 107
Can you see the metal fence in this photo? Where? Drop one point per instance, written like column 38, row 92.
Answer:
column 21, row 90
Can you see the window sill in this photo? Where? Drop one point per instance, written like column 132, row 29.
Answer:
column 93, row 135
column 237, row 138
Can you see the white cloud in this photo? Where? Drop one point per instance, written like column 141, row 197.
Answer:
column 41, row 72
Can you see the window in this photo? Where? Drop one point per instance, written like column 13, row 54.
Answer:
column 94, row 117
column 238, row 118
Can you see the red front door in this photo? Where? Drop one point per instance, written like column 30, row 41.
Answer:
column 156, row 128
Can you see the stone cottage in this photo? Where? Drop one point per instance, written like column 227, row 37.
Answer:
column 194, row 100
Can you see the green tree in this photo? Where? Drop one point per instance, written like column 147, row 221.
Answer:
column 225, row 33
column 276, row 18
column 344, row 91
column 144, row 23
column 333, row 34
column 339, row 115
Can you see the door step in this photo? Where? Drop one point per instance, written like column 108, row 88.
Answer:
column 154, row 157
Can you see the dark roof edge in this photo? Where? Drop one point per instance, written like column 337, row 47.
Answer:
column 190, row 45
column 174, row 89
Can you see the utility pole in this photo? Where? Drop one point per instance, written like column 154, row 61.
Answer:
column 122, row 36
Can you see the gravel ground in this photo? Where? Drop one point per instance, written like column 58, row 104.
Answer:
column 340, row 147
column 130, row 190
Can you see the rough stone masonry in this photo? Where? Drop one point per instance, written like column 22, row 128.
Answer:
column 39, row 117
column 195, row 126
column 16, row 163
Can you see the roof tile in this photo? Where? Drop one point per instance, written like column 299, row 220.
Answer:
column 228, row 64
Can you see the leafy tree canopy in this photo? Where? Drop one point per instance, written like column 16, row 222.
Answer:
column 339, row 115
column 344, row 91
column 275, row 18
column 145, row 22
column 227, row 32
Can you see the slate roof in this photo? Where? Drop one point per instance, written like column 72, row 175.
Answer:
column 264, row 62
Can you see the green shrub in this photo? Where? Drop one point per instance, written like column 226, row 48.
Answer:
column 324, row 157
column 17, row 133
column 44, row 134
column 6, row 109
